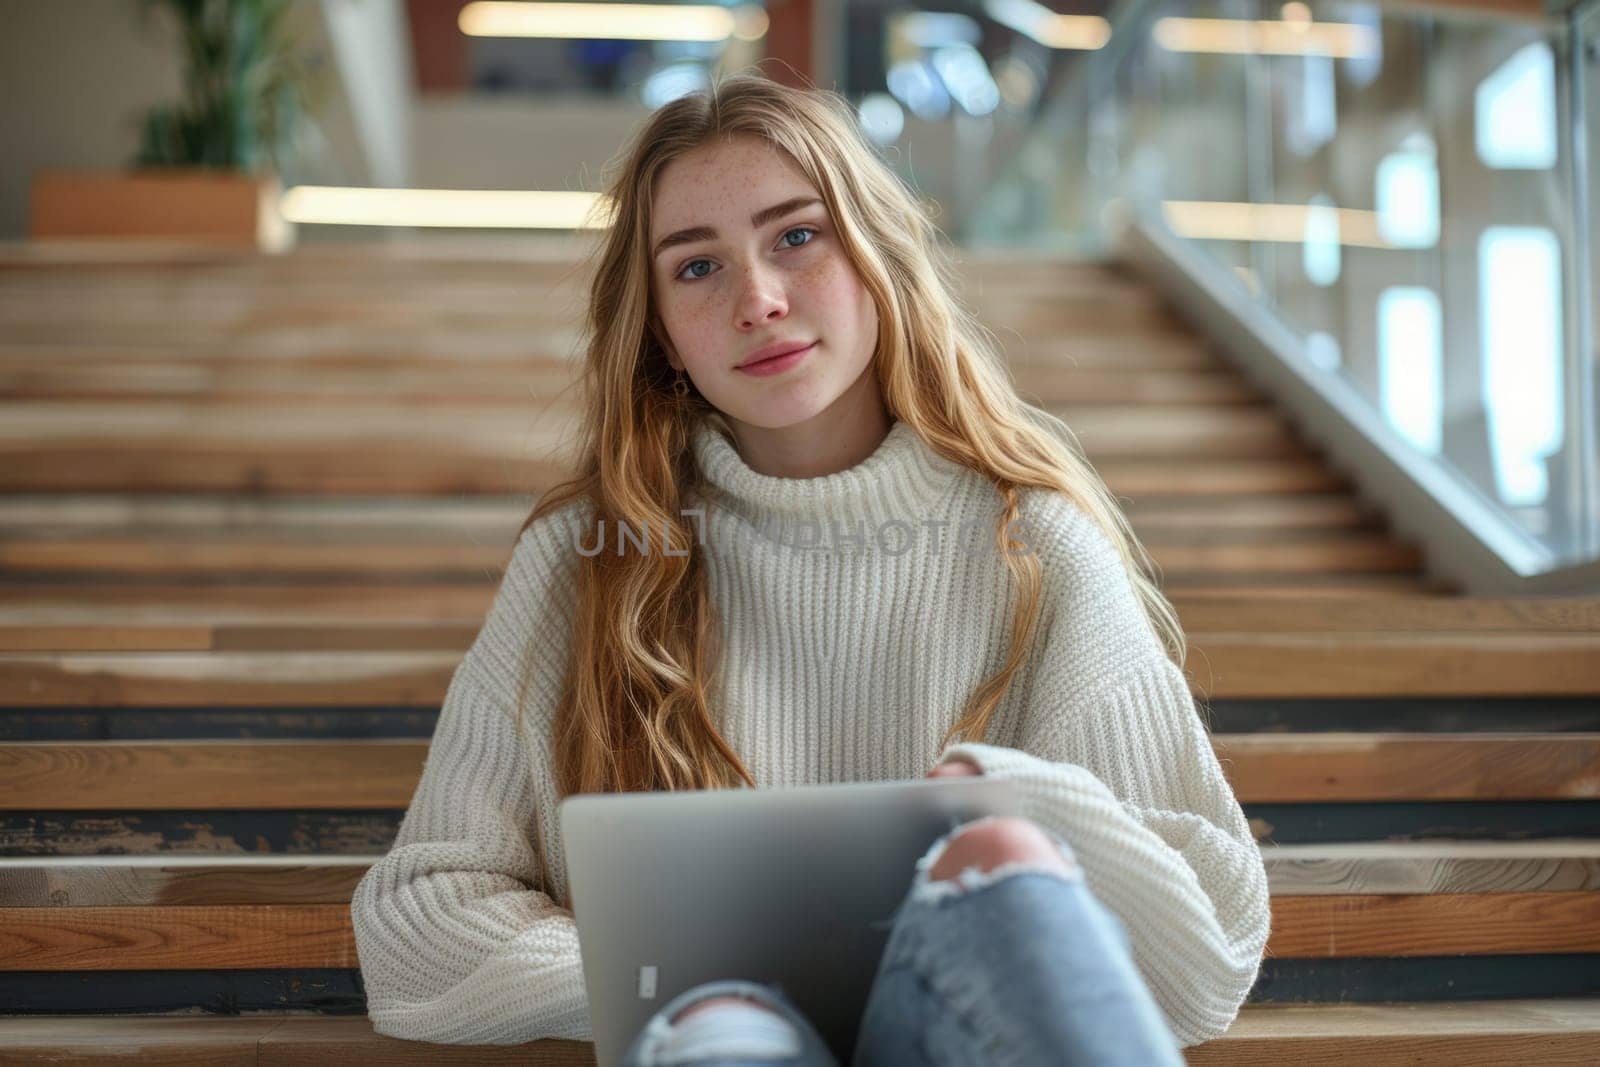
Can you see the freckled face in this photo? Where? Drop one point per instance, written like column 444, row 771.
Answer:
column 722, row 296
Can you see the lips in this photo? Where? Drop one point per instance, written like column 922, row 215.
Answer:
column 773, row 351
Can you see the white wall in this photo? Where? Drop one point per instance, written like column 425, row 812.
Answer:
column 78, row 76
column 372, row 43
column 473, row 141
column 482, row 141
column 75, row 81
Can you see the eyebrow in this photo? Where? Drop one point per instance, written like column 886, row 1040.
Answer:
column 758, row 220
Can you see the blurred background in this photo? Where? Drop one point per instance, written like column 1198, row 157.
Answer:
column 1404, row 188
column 291, row 312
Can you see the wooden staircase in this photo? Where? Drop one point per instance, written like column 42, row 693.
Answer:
column 253, row 510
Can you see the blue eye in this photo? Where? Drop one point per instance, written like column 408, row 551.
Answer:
column 810, row 231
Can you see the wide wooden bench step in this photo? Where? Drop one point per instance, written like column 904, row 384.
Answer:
column 382, row 773
column 76, row 604
column 1408, row 663
column 1556, row 1031
column 499, row 517
column 1300, row 587
column 1432, row 868
column 44, row 317
column 433, row 459
column 233, row 627
column 248, row 932
column 403, row 553
column 1091, row 348
column 1506, row 615
column 519, row 426
column 64, row 372
column 49, row 603
column 303, row 936
column 276, row 1040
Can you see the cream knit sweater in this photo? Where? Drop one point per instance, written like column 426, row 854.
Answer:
column 842, row 662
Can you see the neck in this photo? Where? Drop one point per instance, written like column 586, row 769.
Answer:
column 835, row 439
column 902, row 478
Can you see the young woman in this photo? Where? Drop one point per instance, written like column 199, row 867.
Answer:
column 815, row 536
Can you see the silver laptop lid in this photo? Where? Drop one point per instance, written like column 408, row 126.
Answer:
column 793, row 886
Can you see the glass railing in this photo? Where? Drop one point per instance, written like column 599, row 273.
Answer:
column 1410, row 190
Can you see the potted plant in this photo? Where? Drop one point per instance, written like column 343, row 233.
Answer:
column 207, row 167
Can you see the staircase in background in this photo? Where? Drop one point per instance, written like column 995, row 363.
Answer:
column 253, row 510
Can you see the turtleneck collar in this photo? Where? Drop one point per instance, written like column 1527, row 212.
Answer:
column 903, row 479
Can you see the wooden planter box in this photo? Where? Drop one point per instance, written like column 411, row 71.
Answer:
column 171, row 204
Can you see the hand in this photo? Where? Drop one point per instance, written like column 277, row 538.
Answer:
column 955, row 767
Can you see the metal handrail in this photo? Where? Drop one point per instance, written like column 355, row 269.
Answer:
column 1454, row 522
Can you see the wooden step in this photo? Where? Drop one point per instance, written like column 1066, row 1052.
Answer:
column 1194, row 478
column 400, row 553
column 1506, row 615
column 233, row 629
column 1553, row 1031
column 1385, row 663
column 77, row 374
column 521, row 463
column 1268, row 768
column 490, row 518
column 227, row 602
column 1152, row 516
column 1307, row 587
column 443, row 253
column 1105, row 430
column 240, row 637
column 1220, row 665
column 1340, row 869
column 317, row 936
column 278, row 1040
column 1049, row 385
column 1175, row 349
column 230, row 620
column 255, row 911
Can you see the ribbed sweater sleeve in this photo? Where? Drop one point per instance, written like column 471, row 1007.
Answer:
column 1113, row 757
column 456, row 944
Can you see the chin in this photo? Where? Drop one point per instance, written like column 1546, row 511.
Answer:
column 769, row 419
column 785, row 407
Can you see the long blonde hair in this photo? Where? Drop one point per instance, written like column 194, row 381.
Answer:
column 635, row 713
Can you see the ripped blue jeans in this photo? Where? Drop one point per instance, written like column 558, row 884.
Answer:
column 1019, row 965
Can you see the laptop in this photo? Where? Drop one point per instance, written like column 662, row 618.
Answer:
column 793, row 886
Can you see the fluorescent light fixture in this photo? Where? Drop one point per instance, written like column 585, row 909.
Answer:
column 1514, row 111
column 930, row 29
column 1341, row 40
column 966, row 78
column 881, row 118
column 667, row 83
column 1221, row 220
column 1034, row 20
column 633, row 22
column 1411, row 364
column 1407, row 194
column 469, row 208
column 1319, row 255
column 1520, row 330
column 914, row 85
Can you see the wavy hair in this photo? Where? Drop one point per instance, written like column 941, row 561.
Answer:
column 634, row 714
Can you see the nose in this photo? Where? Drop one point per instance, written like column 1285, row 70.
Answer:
column 761, row 299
